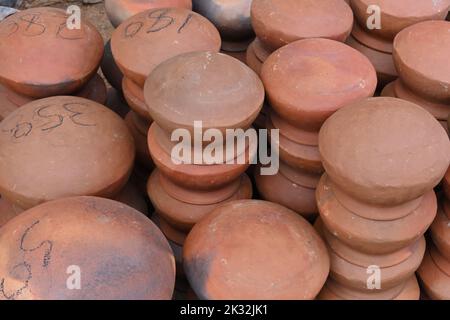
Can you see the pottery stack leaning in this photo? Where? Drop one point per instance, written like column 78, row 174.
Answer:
column 306, row 81
column 145, row 40
column 382, row 157
column 378, row 22
column 421, row 56
column 54, row 60
column 189, row 97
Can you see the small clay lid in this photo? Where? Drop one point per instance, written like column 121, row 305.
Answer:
column 63, row 146
column 308, row 80
column 421, row 56
column 384, row 151
column 214, row 88
column 278, row 23
column 120, row 253
column 41, row 57
column 120, row 10
column 253, row 249
column 146, row 39
column 399, row 14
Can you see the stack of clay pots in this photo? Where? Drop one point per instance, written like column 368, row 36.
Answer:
column 42, row 57
column 145, row 40
column 421, row 56
column 84, row 248
column 252, row 250
column 200, row 86
column 376, row 41
column 307, row 81
column 232, row 19
column 382, row 157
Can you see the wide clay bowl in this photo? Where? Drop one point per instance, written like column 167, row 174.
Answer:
column 440, row 230
column 182, row 214
column 118, row 252
column 231, row 18
column 278, row 23
column 399, row 14
column 7, row 211
column 63, row 146
column 221, row 84
column 421, row 58
column 299, row 91
column 434, row 275
column 384, row 151
column 253, row 249
column 373, row 236
column 148, row 38
column 41, row 57
column 120, row 10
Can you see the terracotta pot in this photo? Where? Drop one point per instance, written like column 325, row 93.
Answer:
column 103, row 237
column 57, row 133
column 199, row 177
column 446, row 183
column 6, row 106
column 175, row 235
column 420, row 56
column 371, row 40
column 252, row 60
column 440, row 230
column 116, row 102
column 261, row 50
column 278, row 23
column 110, row 69
column 131, row 196
column 134, row 96
column 380, row 159
column 48, row 59
column 397, row 15
column 183, row 215
column 231, row 18
column 373, row 236
column 140, row 141
column 388, row 90
column 292, row 132
column 434, row 279
column 7, row 211
column 120, row 10
column 157, row 35
column 240, row 55
column 282, row 189
column 254, row 250
column 297, row 89
column 222, row 85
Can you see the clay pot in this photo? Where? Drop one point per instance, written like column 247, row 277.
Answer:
column 231, row 18
column 198, row 177
column 7, row 211
column 421, row 58
column 261, row 50
column 434, row 275
column 120, row 10
column 58, row 134
column 374, row 151
column 131, row 196
column 134, row 96
column 48, row 59
column 446, row 183
column 254, row 250
column 292, row 132
column 110, row 69
column 240, row 55
column 103, row 237
column 145, row 40
column 6, row 106
column 183, row 214
column 397, row 15
column 278, row 23
column 388, row 90
column 371, row 40
column 374, row 236
column 297, row 89
column 140, row 140
column 116, row 102
column 440, row 230
column 171, row 233
column 252, row 60
column 222, row 85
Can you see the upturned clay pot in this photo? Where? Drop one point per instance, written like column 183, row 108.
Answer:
column 240, row 55
column 116, row 102
column 140, row 141
column 120, row 10
column 254, row 250
column 298, row 90
column 175, row 235
column 145, row 40
column 435, row 277
column 371, row 40
column 131, row 196
column 7, row 211
column 110, row 69
column 292, row 132
column 374, row 151
column 134, row 96
column 252, row 60
column 421, row 58
column 370, row 235
column 222, row 85
column 349, row 267
column 440, row 230
column 261, row 50
column 446, row 183
column 48, row 58
column 183, row 215
column 397, row 15
column 278, row 23
column 103, row 237
column 388, row 90
column 231, row 18
column 78, row 147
